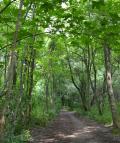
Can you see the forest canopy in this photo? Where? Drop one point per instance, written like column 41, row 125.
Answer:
column 56, row 53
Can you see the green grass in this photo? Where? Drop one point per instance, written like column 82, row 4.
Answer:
column 24, row 137
column 42, row 116
column 116, row 132
column 105, row 118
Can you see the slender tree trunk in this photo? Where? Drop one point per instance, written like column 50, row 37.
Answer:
column 11, row 69
column 32, row 65
column 5, row 71
column 2, row 123
column 46, row 93
column 13, row 55
column 96, row 96
column 83, row 98
column 107, row 56
column 88, row 65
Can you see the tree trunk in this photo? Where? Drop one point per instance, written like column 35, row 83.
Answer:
column 2, row 122
column 11, row 69
column 83, row 97
column 47, row 93
column 96, row 96
column 32, row 65
column 107, row 57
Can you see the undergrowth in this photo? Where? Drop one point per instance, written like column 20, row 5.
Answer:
column 105, row 118
column 41, row 115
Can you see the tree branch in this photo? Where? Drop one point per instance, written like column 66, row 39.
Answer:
column 2, row 10
column 72, row 78
column 23, row 38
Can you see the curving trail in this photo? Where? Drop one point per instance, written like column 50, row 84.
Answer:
column 67, row 128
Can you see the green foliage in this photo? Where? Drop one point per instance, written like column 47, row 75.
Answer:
column 105, row 118
column 42, row 119
column 40, row 114
column 48, row 29
column 22, row 138
column 116, row 132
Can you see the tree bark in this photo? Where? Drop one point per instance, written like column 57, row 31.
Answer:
column 83, row 98
column 11, row 69
column 47, row 93
column 107, row 57
column 2, row 123
column 32, row 66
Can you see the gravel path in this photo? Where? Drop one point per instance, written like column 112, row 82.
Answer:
column 67, row 128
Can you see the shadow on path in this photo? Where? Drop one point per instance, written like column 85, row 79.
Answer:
column 67, row 128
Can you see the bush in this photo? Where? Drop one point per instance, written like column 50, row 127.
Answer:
column 40, row 115
column 22, row 138
column 105, row 118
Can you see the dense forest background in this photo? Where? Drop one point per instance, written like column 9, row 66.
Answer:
column 56, row 53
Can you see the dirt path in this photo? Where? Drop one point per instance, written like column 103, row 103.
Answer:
column 69, row 129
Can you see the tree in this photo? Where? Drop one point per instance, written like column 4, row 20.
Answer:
column 107, row 55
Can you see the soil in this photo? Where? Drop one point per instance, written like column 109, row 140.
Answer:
column 68, row 128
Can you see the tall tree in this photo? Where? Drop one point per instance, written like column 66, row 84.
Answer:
column 107, row 56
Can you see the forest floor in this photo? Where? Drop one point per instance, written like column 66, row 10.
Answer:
column 67, row 128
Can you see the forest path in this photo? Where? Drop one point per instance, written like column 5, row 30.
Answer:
column 67, row 128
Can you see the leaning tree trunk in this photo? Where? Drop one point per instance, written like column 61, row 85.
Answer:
column 11, row 69
column 107, row 57
column 82, row 96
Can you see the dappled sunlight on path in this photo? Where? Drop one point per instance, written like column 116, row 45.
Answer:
column 69, row 129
